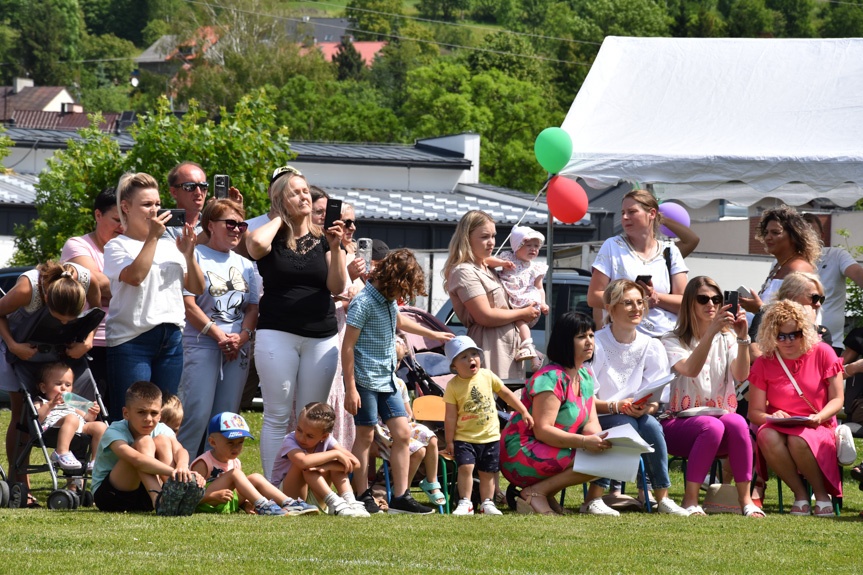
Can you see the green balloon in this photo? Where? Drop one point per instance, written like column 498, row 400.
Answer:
column 553, row 149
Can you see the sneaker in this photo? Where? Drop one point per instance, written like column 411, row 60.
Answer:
column 169, row 499
column 368, row 500
column 191, row 498
column 66, row 461
column 488, row 508
column 345, row 509
column 668, row 506
column 300, row 507
column 407, row 504
column 598, row 507
column 269, row 508
column 465, row 507
column 360, row 508
column 90, row 465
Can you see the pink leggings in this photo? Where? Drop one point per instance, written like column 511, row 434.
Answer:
column 703, row 438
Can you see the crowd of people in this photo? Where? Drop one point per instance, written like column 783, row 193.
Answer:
column 197, row 313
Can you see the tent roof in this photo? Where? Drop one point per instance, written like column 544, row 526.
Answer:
column 771, row 117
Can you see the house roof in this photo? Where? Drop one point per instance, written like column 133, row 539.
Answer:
column 30, row 98
column 321, row 29
column 378, row 154
column 18, row 189
column 367, row 50
column 39, row 120
column 158, row 51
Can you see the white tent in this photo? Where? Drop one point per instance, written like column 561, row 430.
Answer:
column 739, row 119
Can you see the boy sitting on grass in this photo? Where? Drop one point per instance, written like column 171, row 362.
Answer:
column 225, row 477
column 140, row 465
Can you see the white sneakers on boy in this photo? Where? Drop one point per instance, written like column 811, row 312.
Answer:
column 344, row 509
column 668, row 506
column 489, row 508
column 598, row 507
column 465, row 507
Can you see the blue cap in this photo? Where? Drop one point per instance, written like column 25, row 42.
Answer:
column 457, row 345
column 231, row 425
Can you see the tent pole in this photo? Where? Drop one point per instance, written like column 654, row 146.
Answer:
column 549, row 280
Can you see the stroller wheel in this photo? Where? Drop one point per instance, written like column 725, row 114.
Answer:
column 61, row 499
column 4, row 494
column 17, row 495
column 76, row 499
column 87, row 499
column 511, row 493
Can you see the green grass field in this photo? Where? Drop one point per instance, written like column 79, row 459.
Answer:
column 87, row 541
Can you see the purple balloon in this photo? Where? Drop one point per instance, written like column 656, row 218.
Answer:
column 675, row 212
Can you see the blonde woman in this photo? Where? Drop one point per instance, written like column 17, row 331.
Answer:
column 301, row 265
column 478, row 297
column 788, row 337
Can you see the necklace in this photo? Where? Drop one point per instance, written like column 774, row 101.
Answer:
column 633, row 251
column 774, row 271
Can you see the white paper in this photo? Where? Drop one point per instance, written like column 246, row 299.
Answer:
column 704, row 410
column 620, row 462
column 654, row 391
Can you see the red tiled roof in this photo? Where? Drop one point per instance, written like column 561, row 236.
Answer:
column 31, row 98
column 38, row 120
column 367, row 50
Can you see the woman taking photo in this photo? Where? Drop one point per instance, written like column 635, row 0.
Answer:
column 706, row 359
column 220, row 325
column 637, row 252
column 478, row 298
column 297, row 332
column 148, row 276
column 808, row 386
column 625, row 362
column 559, row 397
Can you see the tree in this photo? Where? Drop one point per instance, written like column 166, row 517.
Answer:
column 390, row 69
column 842, row 20
column 750, row 19
column 511, row 65
column 444, row 9
column 374, row 16
column 798, row 17
column 245, row 144
column 114, row 64
column 349, row 63
column 50, row 40
column 5, row 144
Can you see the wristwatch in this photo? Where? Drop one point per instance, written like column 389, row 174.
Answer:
column 250, row 332
column 746, row 341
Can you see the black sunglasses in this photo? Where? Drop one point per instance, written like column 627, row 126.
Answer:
column 350, row 223
column 234, row 225
column 789, row 336
column 817, row 298
column 703, row 299
column 190, row 186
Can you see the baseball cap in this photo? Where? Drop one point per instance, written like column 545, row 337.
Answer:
column 231, row 425
column 281, row 171
column 379, row 250
column 457, row 345
column 521, row 234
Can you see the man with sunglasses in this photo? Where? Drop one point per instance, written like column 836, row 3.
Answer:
column 188, row 185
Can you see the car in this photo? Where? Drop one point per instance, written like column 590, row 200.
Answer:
column 9, row 276
column 570, row 294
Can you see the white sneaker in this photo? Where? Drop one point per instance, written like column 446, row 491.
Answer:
column 488, row 508
column 598, row 507
column 668, row 506
column 344, row 509
column 465, row 507
column 360, row 508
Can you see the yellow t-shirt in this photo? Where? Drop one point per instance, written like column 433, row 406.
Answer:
column 477, row 415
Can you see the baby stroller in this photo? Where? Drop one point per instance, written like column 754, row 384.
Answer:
column 46, row 334
column 424, row 369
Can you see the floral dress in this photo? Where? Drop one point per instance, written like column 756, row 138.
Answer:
column 520, row 283
column 524, row 459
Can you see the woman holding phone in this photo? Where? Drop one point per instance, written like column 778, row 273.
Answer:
column 148, row 276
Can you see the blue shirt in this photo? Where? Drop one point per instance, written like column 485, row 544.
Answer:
column 106, row 459
column 375, row 350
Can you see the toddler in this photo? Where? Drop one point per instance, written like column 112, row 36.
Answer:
column 522, row 280
column 311, row 457
column 55, row 380
column 423, row 441
column 471, row 425
column 172, row 411
column 225, row 478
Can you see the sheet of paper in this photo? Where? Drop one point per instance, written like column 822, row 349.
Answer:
column 620, row 462
column 654, row 391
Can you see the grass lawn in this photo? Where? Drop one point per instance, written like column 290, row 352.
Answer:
column 87, row 541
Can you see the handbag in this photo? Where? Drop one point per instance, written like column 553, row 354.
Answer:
column 722, row 498
column 846, row 452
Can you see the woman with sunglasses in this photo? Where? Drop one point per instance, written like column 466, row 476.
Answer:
column 220, row 324
column 706, row 359
column 798, row 376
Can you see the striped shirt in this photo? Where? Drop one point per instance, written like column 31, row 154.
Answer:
column 375, row 350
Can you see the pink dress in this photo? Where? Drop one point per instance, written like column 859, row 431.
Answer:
column 811, row 371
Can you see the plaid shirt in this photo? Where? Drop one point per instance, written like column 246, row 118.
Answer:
column 375, row 350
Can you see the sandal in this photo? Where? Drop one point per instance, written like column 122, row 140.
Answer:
column 752, row 510
column 32, row 502
column 555, row 506
column 525, row 506
column 526, row 350
column 823, row 509
column 802, row 506
column 429, row 487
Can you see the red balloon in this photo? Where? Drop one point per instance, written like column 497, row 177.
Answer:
column 567, row 201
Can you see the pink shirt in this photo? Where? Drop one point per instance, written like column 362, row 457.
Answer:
column 84, row 246
column 215, row 468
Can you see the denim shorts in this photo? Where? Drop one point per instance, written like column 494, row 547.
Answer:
column 386, row 404
column 486, row 456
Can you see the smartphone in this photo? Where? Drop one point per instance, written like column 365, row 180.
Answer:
column 334, row 212
column 221, row 185
column 645, row 279
column 364, row 250
column 731, row 297
column 744, row 291
column 178, row 218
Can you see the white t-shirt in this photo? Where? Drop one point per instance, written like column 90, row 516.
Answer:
column 623, row 369
column 617, row 261
column 831, row 269
column 159, row 299
column 714, row 385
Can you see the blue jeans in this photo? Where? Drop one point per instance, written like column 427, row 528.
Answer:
column 650, row 430
column 155, row 355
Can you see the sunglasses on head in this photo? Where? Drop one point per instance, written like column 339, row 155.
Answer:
column 190, row 186
column 234, row 225
column 703, row 299
column 789, row 336
column 279, row 172
column 817, row 298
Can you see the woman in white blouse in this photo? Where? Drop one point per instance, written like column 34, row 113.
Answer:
column 624, row 363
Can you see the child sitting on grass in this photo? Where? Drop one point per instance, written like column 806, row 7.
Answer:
column 225, row 477
column 56, row 379
column 172, row 411
column 471, row 425
column 311, row 457
column 140, row 465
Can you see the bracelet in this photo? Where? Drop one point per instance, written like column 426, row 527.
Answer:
column 207, row 327
column 250, row 332
column 746, row 341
